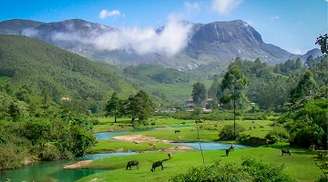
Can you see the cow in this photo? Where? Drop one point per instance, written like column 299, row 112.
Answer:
column 285, row 151
column 132, row 163
column 157, row 164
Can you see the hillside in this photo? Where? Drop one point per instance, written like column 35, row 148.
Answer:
column 44, row 68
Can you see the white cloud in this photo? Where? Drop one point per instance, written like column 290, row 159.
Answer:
column 276, row 17
column 30, row 32
column 224, row 7
column 103, row 14
column 169, row 41
column 192, row 6
column 297, row 51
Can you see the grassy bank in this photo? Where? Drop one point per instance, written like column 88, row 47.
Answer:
column 299, row 166
column 113, row 146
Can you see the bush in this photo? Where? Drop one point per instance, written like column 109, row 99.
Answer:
column 227, row 132
column 11, row 156
column 249, row 171
column 48, row 152
column 304, row 137
column 322, row 179
column 253, row 141
column 277, row 134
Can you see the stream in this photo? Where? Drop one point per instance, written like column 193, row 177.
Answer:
column 54, row 171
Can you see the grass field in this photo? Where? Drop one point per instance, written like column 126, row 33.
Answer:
column 299, row 166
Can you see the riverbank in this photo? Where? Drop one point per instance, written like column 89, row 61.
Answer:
column 300, row 160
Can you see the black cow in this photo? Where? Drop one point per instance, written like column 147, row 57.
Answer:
column 229, row 150
column 177, row 131
column 131, row 164
column 285, row 151
column 158, row 164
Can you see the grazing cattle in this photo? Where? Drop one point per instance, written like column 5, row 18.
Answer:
column 177, row 131
column 131, row 164
column 231, row 147
column 227, row 151
column 169, row 155
column 285, row 151
column 158, row 164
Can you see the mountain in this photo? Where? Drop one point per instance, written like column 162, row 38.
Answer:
column 16, row 26
column 314, row 53
column 223, row 41
column 216, row 42
column 44, row 68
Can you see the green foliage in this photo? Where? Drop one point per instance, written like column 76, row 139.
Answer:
column 139, row 106
column 212, row 91
column 113, row 106
column 308, row 124
column 11, row 156
column 253, row 140
column 305, row 87
column 198, row 93
column 277, row 134
column 35, row 67
column 227, row 132
column 250, row 170
column 322, row 41
column 233, row 83
column 289, row 66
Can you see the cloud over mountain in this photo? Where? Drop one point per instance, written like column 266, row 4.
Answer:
column 169, row 40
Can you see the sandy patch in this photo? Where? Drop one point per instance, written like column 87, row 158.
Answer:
column 178, row 148
column 139, row 139
column 78, row 164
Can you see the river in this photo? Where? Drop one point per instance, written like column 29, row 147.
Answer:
column 54, row 171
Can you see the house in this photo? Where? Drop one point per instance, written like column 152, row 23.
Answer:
column 207, row 106
column 65, row 99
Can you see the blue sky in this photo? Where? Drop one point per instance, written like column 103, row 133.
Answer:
column 290, row 24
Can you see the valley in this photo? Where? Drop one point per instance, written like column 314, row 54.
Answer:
column 166, row 91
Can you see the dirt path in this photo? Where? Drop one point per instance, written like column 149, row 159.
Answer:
column 77, row 165
column 151, row 140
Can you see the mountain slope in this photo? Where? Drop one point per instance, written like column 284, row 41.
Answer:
column 16, row 26
column 216, row 42
column 226, row 40
column 45, row 68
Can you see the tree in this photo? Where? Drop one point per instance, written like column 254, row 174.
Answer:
column 212, row 91
column 112, row 107
column 305, row 87
column 323, row 43
column 145, row 106
column 139, row 106
column 232, row 86
column 198, row 93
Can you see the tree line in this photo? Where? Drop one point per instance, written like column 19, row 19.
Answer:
column 139, row 107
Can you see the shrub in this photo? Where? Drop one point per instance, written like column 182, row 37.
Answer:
column 305, row 136
column 277, row 134
column 227, row 132
column 253, row 141
column 214, row 173
column 249, row 171
column 11, row 156
column 322, row 179
column 48, row 152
